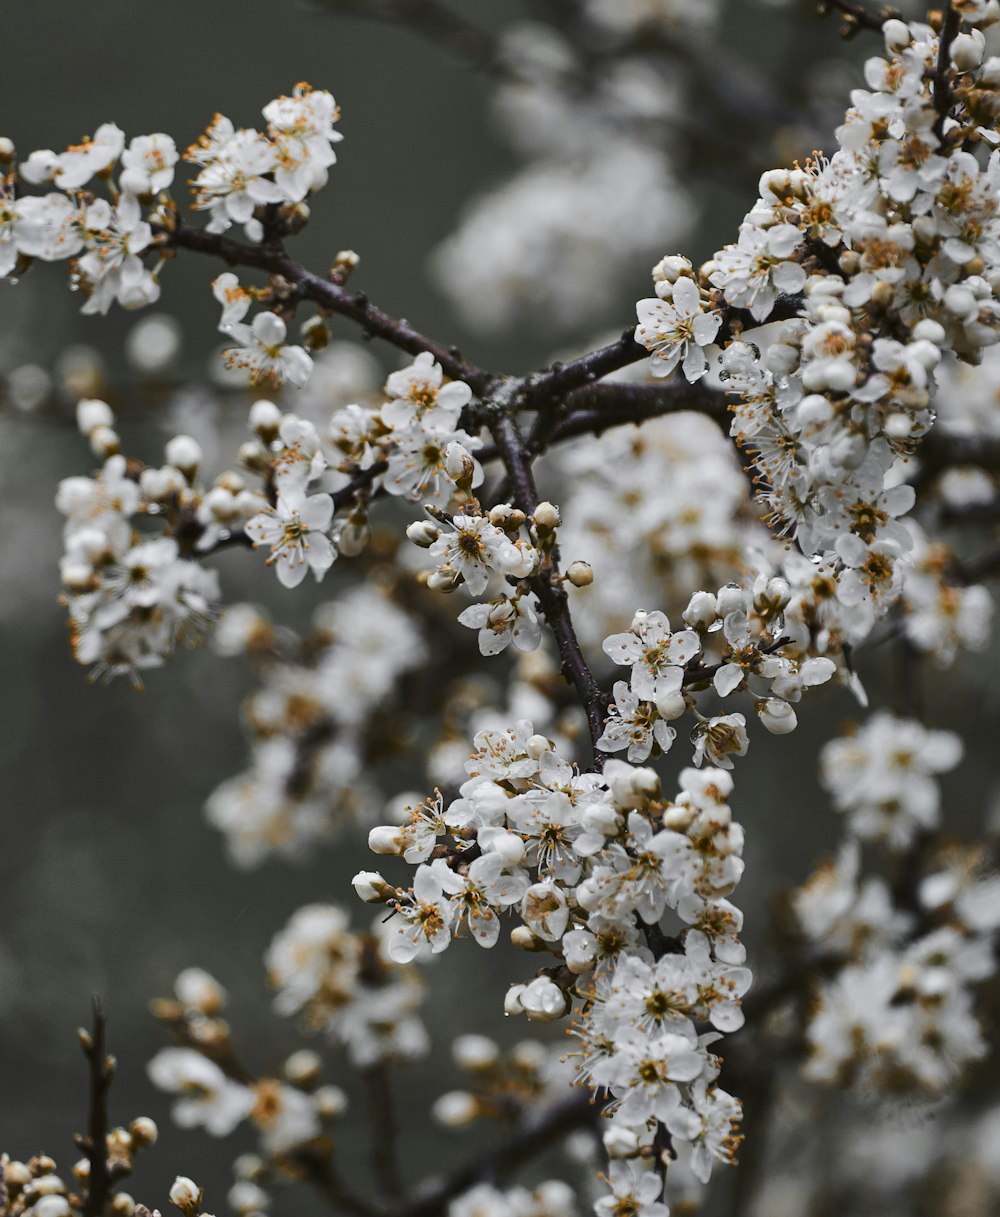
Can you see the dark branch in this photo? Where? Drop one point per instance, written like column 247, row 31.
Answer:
column 353, row 305
column 531, row 1138
column 942, row 75
column 857, row 17
column 94, row 1044
column 550, row 592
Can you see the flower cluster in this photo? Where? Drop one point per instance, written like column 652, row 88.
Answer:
column 887, row 254
column 899, row 1014
column 883, row 777
column 591, row 863
column 244, row 171
column 132, row 596
column 217, row 1093
column 308, row 721
column 36, row 1188
column 341, row 982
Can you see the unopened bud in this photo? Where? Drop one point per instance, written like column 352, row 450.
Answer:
column 537, row 745
column 371, row 887
column 777, row 716
column 580, row 574
column 91, row 412
column 546, row 516
column 701, row 611
column 455, row 1109
column 104, row 442
column 475, row 1053
column 620, row 1142
column 144, row 1132
column 423, row 533
column 7, row 150
column 730, row 600
column 122, row 1204
column 186, row 1195
column 896, row 34
column 303, row 1068
column 385, row 840
column 522, row 938
column 330, row 1101
column 543, row 1001
column 265, row 419
column 199, row 990
column 184, row 453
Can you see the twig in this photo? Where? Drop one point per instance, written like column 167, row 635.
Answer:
column 434, row 22
column 858, row 17
column 551, row 595
column 329, row 295
column 942, row 75
column 94, row 1144
column 384, row 1130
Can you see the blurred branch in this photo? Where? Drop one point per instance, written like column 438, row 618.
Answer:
column 432, row 21
column 856, row 16
column 531, row 1138
column 384, row 1129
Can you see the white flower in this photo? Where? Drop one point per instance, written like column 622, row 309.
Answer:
column 504, row 621
column 296, row 530
column 635, row 725
column 264, row 355
column 717, row 739
column 656, row 656
column 677, row 329
column 475, row 547
column 417, row 395
column 753, row 272
column 634, row 1190
column 423, row 926
column 149, row 164
column 209, row 1099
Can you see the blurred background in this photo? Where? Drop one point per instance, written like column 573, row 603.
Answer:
column 110, row 880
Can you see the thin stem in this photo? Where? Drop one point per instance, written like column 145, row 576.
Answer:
column 550, row 592
column 95, row 1146
column 942, row 75
column 858, row 17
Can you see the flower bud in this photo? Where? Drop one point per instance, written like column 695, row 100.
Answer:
column 455, row 1109
column 475, row 1053
column 580, row 574
column 967, row 51
column 512, row 1000
column 200, row 991
column 543, row 1001
column 91, row 413
column 330, row 1101
column 509, row 846
column 423, row 533
column 546, row 516
column 701, row 611
column 122, row 1204
column 371, row 887
column 104, row 442
column 303, row 1068
column 620, row 1142
column 265, row 419
column 186, row 1195
column 537, row 746
column 896, row 34
column 730, row 600
column 385, row 840
column 777, row 716
column 144, row 1132
column 443, row 580
column 671, row 705
column 929, row 330
column 158, row 485
column 51, row 1206
column 184, row 453
column 7, row 150
column 525, row 940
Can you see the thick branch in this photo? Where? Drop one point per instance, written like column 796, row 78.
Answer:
column 942, row 75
